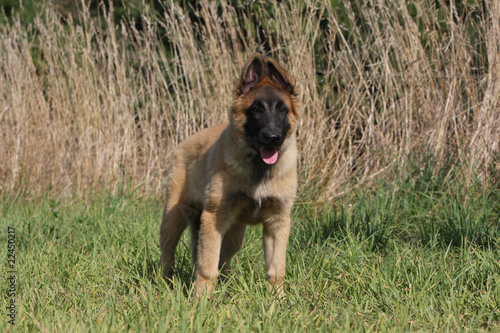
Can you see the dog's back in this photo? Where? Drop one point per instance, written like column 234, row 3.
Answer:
column 188, row 170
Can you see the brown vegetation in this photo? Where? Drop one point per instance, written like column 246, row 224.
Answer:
column 92, row 105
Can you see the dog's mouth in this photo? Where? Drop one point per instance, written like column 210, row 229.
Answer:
column 269, row 155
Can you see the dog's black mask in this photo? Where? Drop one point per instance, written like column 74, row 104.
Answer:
column 267, row 124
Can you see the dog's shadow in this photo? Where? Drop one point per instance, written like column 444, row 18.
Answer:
column 182, row 274
column 182, row 277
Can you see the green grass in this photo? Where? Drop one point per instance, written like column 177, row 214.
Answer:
column 420, row 256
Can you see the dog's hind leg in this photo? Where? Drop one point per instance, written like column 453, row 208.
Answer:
column 194, row 227
column 232, row 242
column 173, row 224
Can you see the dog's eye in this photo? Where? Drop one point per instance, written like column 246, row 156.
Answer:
column 254, row 109
column 283, row 109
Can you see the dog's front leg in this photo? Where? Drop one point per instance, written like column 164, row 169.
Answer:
column 209, row 246
column 275, row 242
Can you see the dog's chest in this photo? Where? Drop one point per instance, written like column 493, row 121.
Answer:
column 252, row 211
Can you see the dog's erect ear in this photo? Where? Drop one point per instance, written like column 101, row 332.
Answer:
column 277, row 74
column 252, row 73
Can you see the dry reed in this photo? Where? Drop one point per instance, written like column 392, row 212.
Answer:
column 96, row 104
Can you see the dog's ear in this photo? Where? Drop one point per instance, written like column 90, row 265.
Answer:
column 252, row 73
column 278, row 74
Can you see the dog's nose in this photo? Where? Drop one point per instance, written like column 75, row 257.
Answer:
column 270, row 138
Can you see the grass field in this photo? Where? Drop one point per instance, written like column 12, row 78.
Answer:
column 392, row 259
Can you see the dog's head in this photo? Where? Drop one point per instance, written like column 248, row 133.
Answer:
column 265, row 108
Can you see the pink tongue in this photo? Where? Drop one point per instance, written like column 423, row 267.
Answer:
column 269, row 155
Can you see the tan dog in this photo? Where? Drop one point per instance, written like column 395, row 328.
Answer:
column 232, row 175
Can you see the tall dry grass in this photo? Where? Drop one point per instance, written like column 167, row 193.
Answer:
column 99, row 103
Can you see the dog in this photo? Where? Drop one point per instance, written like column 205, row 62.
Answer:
column 241, row 173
